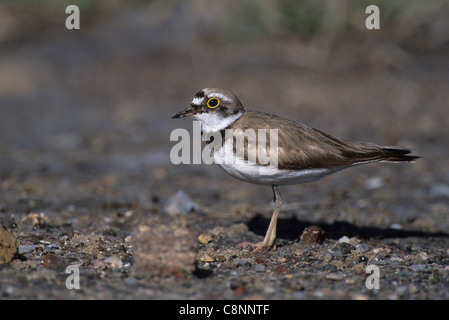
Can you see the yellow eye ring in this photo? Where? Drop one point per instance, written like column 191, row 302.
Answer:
column 213, row 103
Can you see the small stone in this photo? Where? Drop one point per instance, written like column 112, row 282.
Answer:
column 423, row 255
column 180, row 204
column 163, row 250
column 114, row 261
column 346, row 248
column 363, row 247
column 344, row 239
column 419, row 267
column 54, row 262
column 395, row 226
column 204, row 238
column 36, row 219
column 8, row 246
column 259, row 268
column 128, row 214
column 204, row 257
column 312, row 234
column 26, row 248
column 374, row 183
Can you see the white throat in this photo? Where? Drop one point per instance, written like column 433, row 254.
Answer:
column 212, row 122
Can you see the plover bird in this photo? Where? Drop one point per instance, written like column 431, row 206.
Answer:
column 300, row 153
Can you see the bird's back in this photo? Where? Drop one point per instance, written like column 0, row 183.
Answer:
column 302, row 147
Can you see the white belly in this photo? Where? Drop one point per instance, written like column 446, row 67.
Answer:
column 258, row 174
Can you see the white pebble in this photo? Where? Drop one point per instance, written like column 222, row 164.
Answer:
column 114, row 261
column 179, row 204
column 374, row 183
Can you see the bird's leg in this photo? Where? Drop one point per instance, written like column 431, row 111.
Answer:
column 270, row 236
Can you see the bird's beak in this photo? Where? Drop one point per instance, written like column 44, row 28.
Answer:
column 187, row 112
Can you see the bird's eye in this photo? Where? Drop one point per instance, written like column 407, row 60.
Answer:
column 213, row 103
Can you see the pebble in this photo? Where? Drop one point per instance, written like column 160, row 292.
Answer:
column 344, row 239
column 204, row 238
column 424, row 255
column 204, row 257
column 26, row 248
column 36, row 219
column 312, row 234
column 374, row 183
column 179, row 204
column 9, row 246
column 420, row 267
column 54, row 262
column 346, row 248
column 114, row 261
column 377, row 250
column 259, row 268
column 363, row 247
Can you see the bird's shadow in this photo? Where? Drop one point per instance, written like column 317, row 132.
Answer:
column 291, row 229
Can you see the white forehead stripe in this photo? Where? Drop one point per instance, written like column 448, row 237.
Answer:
column 219, row 96
column 197, row 101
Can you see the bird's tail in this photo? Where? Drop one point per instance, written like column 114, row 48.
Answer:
column 396, row 154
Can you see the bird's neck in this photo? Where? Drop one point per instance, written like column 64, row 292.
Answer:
column 213, row 122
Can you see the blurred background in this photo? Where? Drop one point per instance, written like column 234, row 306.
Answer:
column 85, row 115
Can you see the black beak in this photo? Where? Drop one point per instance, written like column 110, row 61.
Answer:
column 187, row 112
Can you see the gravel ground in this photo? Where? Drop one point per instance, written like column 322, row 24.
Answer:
column 86, row 179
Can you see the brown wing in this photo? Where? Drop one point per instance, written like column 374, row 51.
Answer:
column 303, row 147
